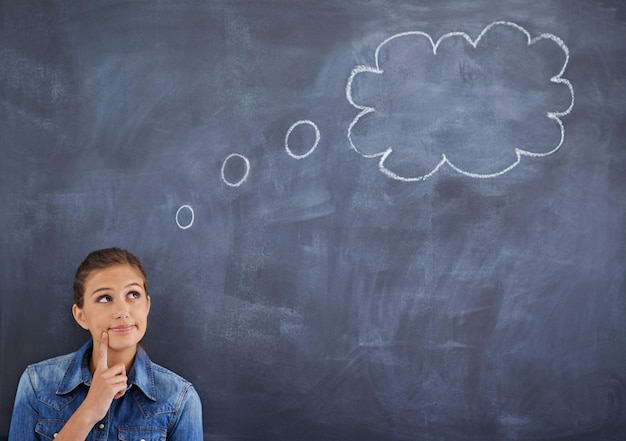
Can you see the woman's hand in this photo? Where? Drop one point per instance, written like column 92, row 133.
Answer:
column 107, row 384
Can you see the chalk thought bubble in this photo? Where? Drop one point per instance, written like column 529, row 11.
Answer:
column 477, row 106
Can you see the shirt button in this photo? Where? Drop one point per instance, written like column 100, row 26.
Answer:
column 55, row 435
column 101, row 426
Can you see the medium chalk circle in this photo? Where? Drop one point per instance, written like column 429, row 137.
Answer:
column 293, row 126
column 245, row 174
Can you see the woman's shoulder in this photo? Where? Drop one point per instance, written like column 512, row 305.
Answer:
column 167, row 375
column 59, row 364
column 168, row 381
column 43, row 379
column 48, row 367
column 167, row 395
column 156, row 381
column 165, row 390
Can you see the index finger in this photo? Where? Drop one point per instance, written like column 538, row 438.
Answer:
column 103, row 362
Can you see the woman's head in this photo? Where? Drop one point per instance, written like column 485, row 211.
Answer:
column 111, row 296
column 100, row 259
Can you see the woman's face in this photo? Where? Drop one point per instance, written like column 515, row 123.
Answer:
column 115, row 301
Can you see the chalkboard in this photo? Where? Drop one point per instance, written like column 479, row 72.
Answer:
column 361, row 220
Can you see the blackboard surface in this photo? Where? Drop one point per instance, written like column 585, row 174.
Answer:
column 361, row 220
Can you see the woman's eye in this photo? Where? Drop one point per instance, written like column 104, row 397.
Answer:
column 104, row 299
column 134, row 295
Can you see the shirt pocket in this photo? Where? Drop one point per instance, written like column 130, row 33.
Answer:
column 141, row 434
column 48, row 429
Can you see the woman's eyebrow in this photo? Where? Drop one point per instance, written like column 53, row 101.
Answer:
column 106, row 288
column 100, row 290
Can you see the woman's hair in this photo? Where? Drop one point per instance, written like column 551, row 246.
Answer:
column 100, row 259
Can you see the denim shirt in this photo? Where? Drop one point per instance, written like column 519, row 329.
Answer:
column 158, row 404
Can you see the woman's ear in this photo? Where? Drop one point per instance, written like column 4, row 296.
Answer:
column 79, row 316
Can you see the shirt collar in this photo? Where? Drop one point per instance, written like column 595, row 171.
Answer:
column 78, row 373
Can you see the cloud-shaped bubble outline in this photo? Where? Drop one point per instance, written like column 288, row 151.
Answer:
column 364, row 110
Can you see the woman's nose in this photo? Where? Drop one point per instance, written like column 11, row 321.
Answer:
column 121, row 310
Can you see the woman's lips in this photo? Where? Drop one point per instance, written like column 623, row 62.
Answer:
column 122, row 328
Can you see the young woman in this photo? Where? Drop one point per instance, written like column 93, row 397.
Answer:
column 108, row 389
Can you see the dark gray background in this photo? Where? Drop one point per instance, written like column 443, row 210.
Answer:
column 320, row 299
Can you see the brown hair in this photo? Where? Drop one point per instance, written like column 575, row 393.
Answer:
column 100, row 259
